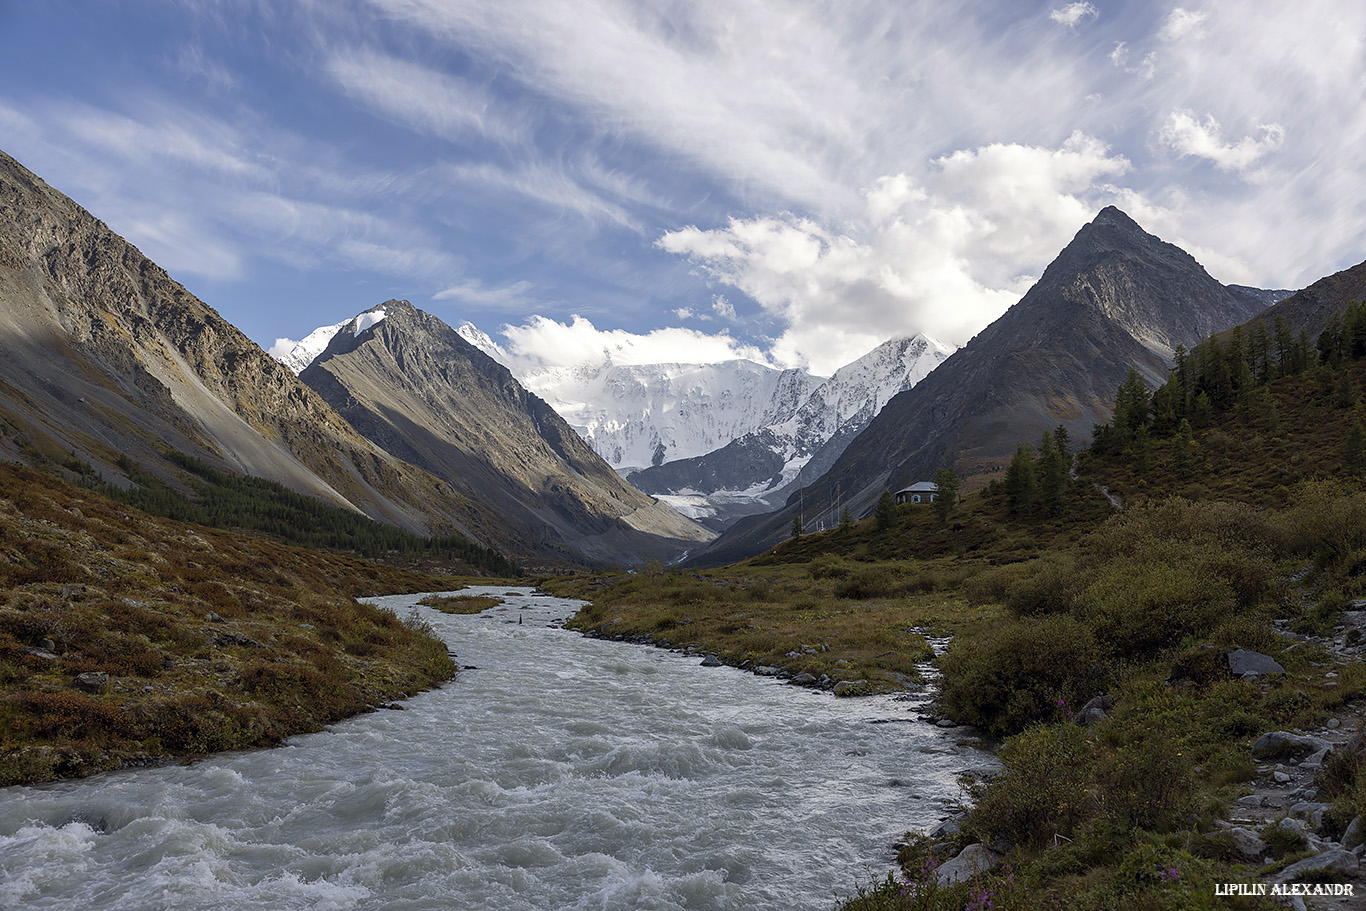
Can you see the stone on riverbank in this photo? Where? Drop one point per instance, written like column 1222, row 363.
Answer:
column 973, row 859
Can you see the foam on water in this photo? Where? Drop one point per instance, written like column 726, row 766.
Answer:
column 564, row 773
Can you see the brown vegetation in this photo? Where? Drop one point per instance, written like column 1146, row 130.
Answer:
column 209, row 640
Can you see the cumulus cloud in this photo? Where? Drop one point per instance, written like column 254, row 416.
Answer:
column 544, row 343
column 1185, row 134
column 1074, row 14
column 943, row 259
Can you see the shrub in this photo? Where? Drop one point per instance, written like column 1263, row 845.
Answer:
column 1049, row 588
column 1024, row 672
column 1137, row 609
column 868, row 582
column 1043, row 790
column 1325, row 519
column 829, row 566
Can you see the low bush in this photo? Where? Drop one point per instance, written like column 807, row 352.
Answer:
column 1044, row 790
column 1030, row 670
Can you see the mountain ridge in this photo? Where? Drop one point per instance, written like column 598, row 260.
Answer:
column 1114, row 297
column 411, row 384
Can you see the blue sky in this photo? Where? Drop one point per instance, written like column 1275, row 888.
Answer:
column 686, row 179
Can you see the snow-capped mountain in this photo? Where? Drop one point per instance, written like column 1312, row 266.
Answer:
column 713, row 440
column 754, row 472
column 639, row 415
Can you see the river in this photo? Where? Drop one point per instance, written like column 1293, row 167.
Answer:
column 561, row 773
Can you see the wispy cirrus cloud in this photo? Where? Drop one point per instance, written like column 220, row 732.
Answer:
column 472, row 291
column 423, row 99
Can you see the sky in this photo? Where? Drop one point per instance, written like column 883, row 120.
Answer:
column 687, row 180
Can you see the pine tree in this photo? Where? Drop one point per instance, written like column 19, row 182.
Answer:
column 946, row 497
column 886, row 511
column 797, row 525
column 1203, row 410
column 1181, row 448
column 1052, row 476
column 1347, row 392
column 1063, row 441
column 1142, row 449
column 1020, row 482
column 846, row 520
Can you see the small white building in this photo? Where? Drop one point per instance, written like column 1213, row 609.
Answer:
column 919, row 492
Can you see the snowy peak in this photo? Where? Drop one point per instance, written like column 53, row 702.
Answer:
column 298, row 355
column 481, row 340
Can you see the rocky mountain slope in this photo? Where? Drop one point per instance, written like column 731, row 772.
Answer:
column 716, row 441
column 1115, row 297
column 1311, row 308
column 415, row 387
column 107, row 357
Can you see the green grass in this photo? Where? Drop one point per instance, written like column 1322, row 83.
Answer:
column 461, row 604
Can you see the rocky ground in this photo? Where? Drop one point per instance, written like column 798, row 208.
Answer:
column 1285, row 797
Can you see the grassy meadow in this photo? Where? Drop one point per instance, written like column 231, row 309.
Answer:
column 1053, row 597
column 207, row 640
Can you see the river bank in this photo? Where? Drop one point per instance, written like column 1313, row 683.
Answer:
column 563, row 772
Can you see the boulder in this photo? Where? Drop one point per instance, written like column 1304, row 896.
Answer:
column 1330, row 863
column 949, row 828
column 1248, row 842
column 804, row 679
column 1293, row 826
column 1355, row 833
column 92, row 682
column 1244, row 664
column 851, row 688
column 970, row 861
column 1316, row 759
column 1284, row 743
column 711, row 661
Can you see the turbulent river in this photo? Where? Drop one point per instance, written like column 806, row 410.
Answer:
column 561, row 773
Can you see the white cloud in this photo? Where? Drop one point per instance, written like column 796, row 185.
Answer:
column 942, row 259
column 1074, row 14
column 1187, row 135
column 545, row 183
column 723, row 308
column 472, row 291
column 542, row 343
column 1182, row 24
column 425, row 100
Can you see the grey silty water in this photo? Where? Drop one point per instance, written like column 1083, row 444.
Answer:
column 561, row 773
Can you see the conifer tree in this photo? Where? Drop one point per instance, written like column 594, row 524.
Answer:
column 1204, row 410
column 1259, row 354
column 1063, row 441
column 846, row 520
column 1142, row 451
column 946, row 497
column 1020, row 482
column 1052, row 476
column 797, row 525
column 886, row 511
column 1347, row 392
column 1181, row 448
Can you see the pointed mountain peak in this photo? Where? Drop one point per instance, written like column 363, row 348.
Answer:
column 1116, row 217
